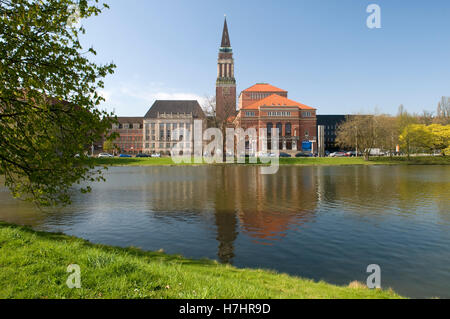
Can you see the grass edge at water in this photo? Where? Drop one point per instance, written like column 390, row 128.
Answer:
column 316, row 161
column 33, row 265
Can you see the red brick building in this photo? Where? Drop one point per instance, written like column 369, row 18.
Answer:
column 131, row 134
column 263, row 106
column 226, row 83
column 266, row 106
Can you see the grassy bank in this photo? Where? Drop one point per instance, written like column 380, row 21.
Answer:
column 413, row 160
column 33, row 265
column 325, row 161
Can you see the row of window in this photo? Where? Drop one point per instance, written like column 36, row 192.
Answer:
column 279, row 113
column 162, row 126
column 174, row 115
column 279, row 127
column 259, row 96
column 168, row 137
column 129, row 138
column 167, row 145
column 127, row 126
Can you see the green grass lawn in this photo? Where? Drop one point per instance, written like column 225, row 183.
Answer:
column 33, row 265
column 328, row 161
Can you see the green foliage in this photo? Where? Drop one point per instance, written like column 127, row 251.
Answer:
column 49, row 112
column 37, row 269
column 109, row 145
column 423, row 138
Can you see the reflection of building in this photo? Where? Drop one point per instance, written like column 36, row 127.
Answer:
column 166, row 116
column 236, row 199
column 130, row 131
column 269, row 205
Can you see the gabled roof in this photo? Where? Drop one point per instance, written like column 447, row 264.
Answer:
column 175, row 106
column 263, row 87
column 276, row 100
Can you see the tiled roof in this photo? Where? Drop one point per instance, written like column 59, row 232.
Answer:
column 175, row 106
column 231, row 119
column 263, row 87
column 131, row 120
column 277, row 100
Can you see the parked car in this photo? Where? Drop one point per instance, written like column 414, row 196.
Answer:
column 338, row 154
column 285, row 155
column 125, row 155
column 105, row 155
column 142, row 155
column 156, row 155
column 301, row 154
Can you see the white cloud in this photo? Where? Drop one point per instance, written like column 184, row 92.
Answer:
column 132, row 99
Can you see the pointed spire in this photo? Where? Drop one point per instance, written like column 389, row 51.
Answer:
column 225, row 36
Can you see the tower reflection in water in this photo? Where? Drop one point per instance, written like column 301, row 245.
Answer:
column 241, row 199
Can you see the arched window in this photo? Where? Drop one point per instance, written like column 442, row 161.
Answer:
column 269, row 129
column 288, row 129
column 280, row 128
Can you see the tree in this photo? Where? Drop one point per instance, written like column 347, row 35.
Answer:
column 388, row 133
column 109, row 146
column 440, row 138
column 221, row 121
column 48, row 99
column 416, row 138
column 361, row 132
column 443, row 111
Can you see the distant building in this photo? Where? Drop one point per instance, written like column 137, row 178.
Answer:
column 266, row 106
column 166, row 116
column 130, row 131
column 330, row 123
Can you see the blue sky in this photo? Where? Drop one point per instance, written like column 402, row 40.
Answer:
column 320, row 51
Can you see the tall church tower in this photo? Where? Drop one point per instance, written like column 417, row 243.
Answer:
column 226, row 83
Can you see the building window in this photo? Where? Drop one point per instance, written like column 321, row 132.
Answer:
column 269, row 129
column 288, row 129
column 279, row 114
column 161, row 132
column 306, row 114
column 249, row 114
column 279, row 128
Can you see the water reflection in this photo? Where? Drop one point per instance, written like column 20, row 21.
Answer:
column 320, row 222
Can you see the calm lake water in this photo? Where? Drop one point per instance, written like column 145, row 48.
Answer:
column 325, row 223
